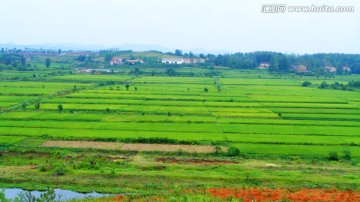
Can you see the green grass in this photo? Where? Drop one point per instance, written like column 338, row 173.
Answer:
column 295, row 149
column 91, row 78
column 5, row 140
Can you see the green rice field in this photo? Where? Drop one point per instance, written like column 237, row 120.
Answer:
column 264, row 115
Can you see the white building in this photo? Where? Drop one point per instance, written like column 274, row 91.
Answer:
column 330, row 69
column 264, row 65
column 172, row 61
column 116, row 61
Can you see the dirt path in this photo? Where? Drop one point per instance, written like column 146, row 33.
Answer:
column 130, row 147
column 84, row 144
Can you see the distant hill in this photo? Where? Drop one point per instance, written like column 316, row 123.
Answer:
column 96, row 47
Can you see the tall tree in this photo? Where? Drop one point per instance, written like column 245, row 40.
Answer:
column 108, row 57
column 170, row 71
column 178, row 52
column 23, row 61
column 60, row 107
column 191, row 55
column 274, row 63
column 47, row 62
column 284, row 64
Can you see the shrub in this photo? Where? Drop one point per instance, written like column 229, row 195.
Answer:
column 306, row 84
column 217, row 149
column 48, row 195
column 59, row 171
column 180, row 152
column 37, row 105
column 333, row 156
column 347, row 155
column 42, row 168
column 233, row 151
column 2, row 196
column 324, row 85
column 60, row 107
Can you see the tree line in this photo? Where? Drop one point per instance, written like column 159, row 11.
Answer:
column 280, row 62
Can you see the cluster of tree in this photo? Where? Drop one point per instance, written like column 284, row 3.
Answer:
column 115, row 51
column 81, row 58
column 284, row 62
column 12, row 61
column 352, row 85
column 278, row 62
column 179, row 52
column 32, row 50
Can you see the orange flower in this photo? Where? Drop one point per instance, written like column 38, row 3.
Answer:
column 306, row 195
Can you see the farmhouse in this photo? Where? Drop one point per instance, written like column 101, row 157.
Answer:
column 87, row 70
column 346, row 69
column 135, row 61
column 300, row 68
column 116, row 61
column 182, row 60
column 172, row 61
column 330, row 69
column 198, row 60
column 264, row 65
column 187, row 60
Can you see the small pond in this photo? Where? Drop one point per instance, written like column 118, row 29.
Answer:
column 12, row 193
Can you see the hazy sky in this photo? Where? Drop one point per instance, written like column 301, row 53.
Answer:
column 234, row 25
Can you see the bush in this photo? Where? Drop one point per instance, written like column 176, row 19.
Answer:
column 37, row 105
column 333, row 156
column 42, row 168
column 48, row 196
column 60, row 107
column 2, row 196
column 306, row 84
column 233, row 151
column 347, row 155
column 217, row 149
column 59, row 171
column 324, row 85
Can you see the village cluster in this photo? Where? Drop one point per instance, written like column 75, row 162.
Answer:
column 304, row 69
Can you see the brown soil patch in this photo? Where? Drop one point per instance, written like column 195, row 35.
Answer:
column 130, row 147
column 271, row 165
column 168, row 148
column 84, row 144
column 12, row 168
column 195, row 161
